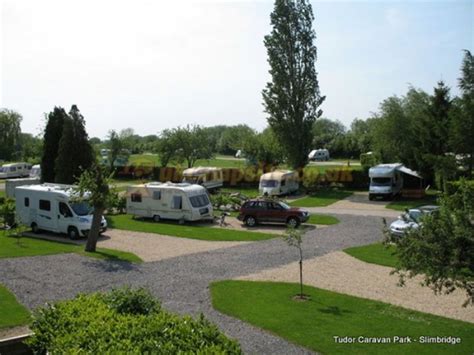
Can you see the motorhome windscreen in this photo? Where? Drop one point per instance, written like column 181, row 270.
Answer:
column 269, row 183
column 81, row 208
column 199, row 201
column 381, row 181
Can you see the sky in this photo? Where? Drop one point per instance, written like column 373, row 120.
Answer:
column 152, row 65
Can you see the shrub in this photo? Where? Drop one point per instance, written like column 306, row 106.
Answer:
column 122, row 321
column 7, row 212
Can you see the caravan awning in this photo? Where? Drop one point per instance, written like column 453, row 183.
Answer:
column 407, row 171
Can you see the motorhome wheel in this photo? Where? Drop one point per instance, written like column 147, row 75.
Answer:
column 72, row 233
column 34, row 228
column 156, row 218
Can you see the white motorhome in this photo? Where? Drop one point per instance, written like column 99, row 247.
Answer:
column 319, row 155
column 15, row 170
column 279, row 182
column 12, row 184
column 50, row 207
column 176, row 201
column 209, row 177
column 386, row 180
column 35, row 171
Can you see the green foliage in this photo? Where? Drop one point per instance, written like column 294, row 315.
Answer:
column 233, row 138
column 330, row 135
column 10, row 131
column 263, row 148
column 116, row 145
column 92, row 324
column 369, row 159
column 51, row 138
column 442, row 249
column 314, row 323
column 292, row 98
column 7, row 212
column 13, row 313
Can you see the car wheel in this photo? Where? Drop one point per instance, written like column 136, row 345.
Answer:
column 72, row 233
column 156, row 218
column 34, row 228
column 250, row 221
column 293, row 222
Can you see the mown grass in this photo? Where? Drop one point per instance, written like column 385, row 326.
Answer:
column 321, row 198
column 315, row 323
column 377, row 253
column 12, row 313
column 401, row 204
column 195, row 231
column 12, row 247
column 322, row 219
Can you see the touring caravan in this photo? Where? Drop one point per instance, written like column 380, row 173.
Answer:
column 209, row 177
column 14, row 170
column 12, row 184
column 319, row 155
column 35, row 171
column 386, row 181
column 279, row 182
column 176, row 201
column 51, row 207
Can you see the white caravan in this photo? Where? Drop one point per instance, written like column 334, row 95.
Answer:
column 386, row 180
column 177, row 201
column 209, row 177
column 278, row 182
column 14, row 170
column 49, row 207
column 35, row 171
column 11, row 185
column 319, row 155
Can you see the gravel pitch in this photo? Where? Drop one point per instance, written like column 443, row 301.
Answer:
column 182, row 282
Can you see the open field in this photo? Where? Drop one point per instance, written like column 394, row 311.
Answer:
column 315, row 323
column 322, row 198
column 195, row 231
column 12, row 313
column 11, row 247
column 376, row 253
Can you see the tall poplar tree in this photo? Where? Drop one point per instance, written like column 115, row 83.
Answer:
column 292, row 98
column 51, row 138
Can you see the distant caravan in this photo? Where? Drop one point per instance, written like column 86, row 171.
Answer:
column 319, row 155
column 173, row 201
column 278, row 182
column 209, row 177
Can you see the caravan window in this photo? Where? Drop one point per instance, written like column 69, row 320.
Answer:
column 45, row 205
column 199, row 201
column 27, row 202
column 136, row 197
column 12, row 168
column 177, row 203
column 157, row 195
column 269, row 183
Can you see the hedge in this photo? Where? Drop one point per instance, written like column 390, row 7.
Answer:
column 122, row 321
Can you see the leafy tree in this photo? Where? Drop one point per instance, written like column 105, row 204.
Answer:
column 31, row 147
column 232, row 138
column 65, row 161
column 115, row 145
column 194, row 144
column 292, row 98
column 293, row 237
column 83, row 152
column 462, row 122
column 51, row 138
column 442, row 248
column 9, row 133
column 325, row 131
column 93, row 186
column 167, row 146
column 263, row 148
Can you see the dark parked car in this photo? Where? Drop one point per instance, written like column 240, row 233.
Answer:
column 260, row 210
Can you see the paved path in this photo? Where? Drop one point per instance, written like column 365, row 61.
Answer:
column 182, row 282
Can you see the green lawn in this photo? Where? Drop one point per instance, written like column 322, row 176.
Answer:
column 315, row 323
column 11, row 247
column 376, row 253
column 321, row 198
column 250, row 192
column 322, row 219
column 12, row 313
column 402, row 204
column 2, row 193
column 126, row 222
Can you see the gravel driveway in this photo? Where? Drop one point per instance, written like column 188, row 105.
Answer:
column 181, row 282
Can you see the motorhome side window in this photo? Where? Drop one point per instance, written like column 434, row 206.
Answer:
column 157, row 195
column 27, row 202
column 177, row 203
column 45, row 205
column 136, row 197
column 64, row 210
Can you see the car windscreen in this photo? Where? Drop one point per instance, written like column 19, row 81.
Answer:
column 381, row 181
column 269, row 183
column 199, row 201
column 81, row 208
column 285, row 206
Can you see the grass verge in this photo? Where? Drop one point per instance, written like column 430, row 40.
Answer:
column 321, row 198
column 376, row 253
column 12, row 247
column 126, row 222
column 12, row 313
column 315, row 323
column 322, row 219
column 402, row 204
